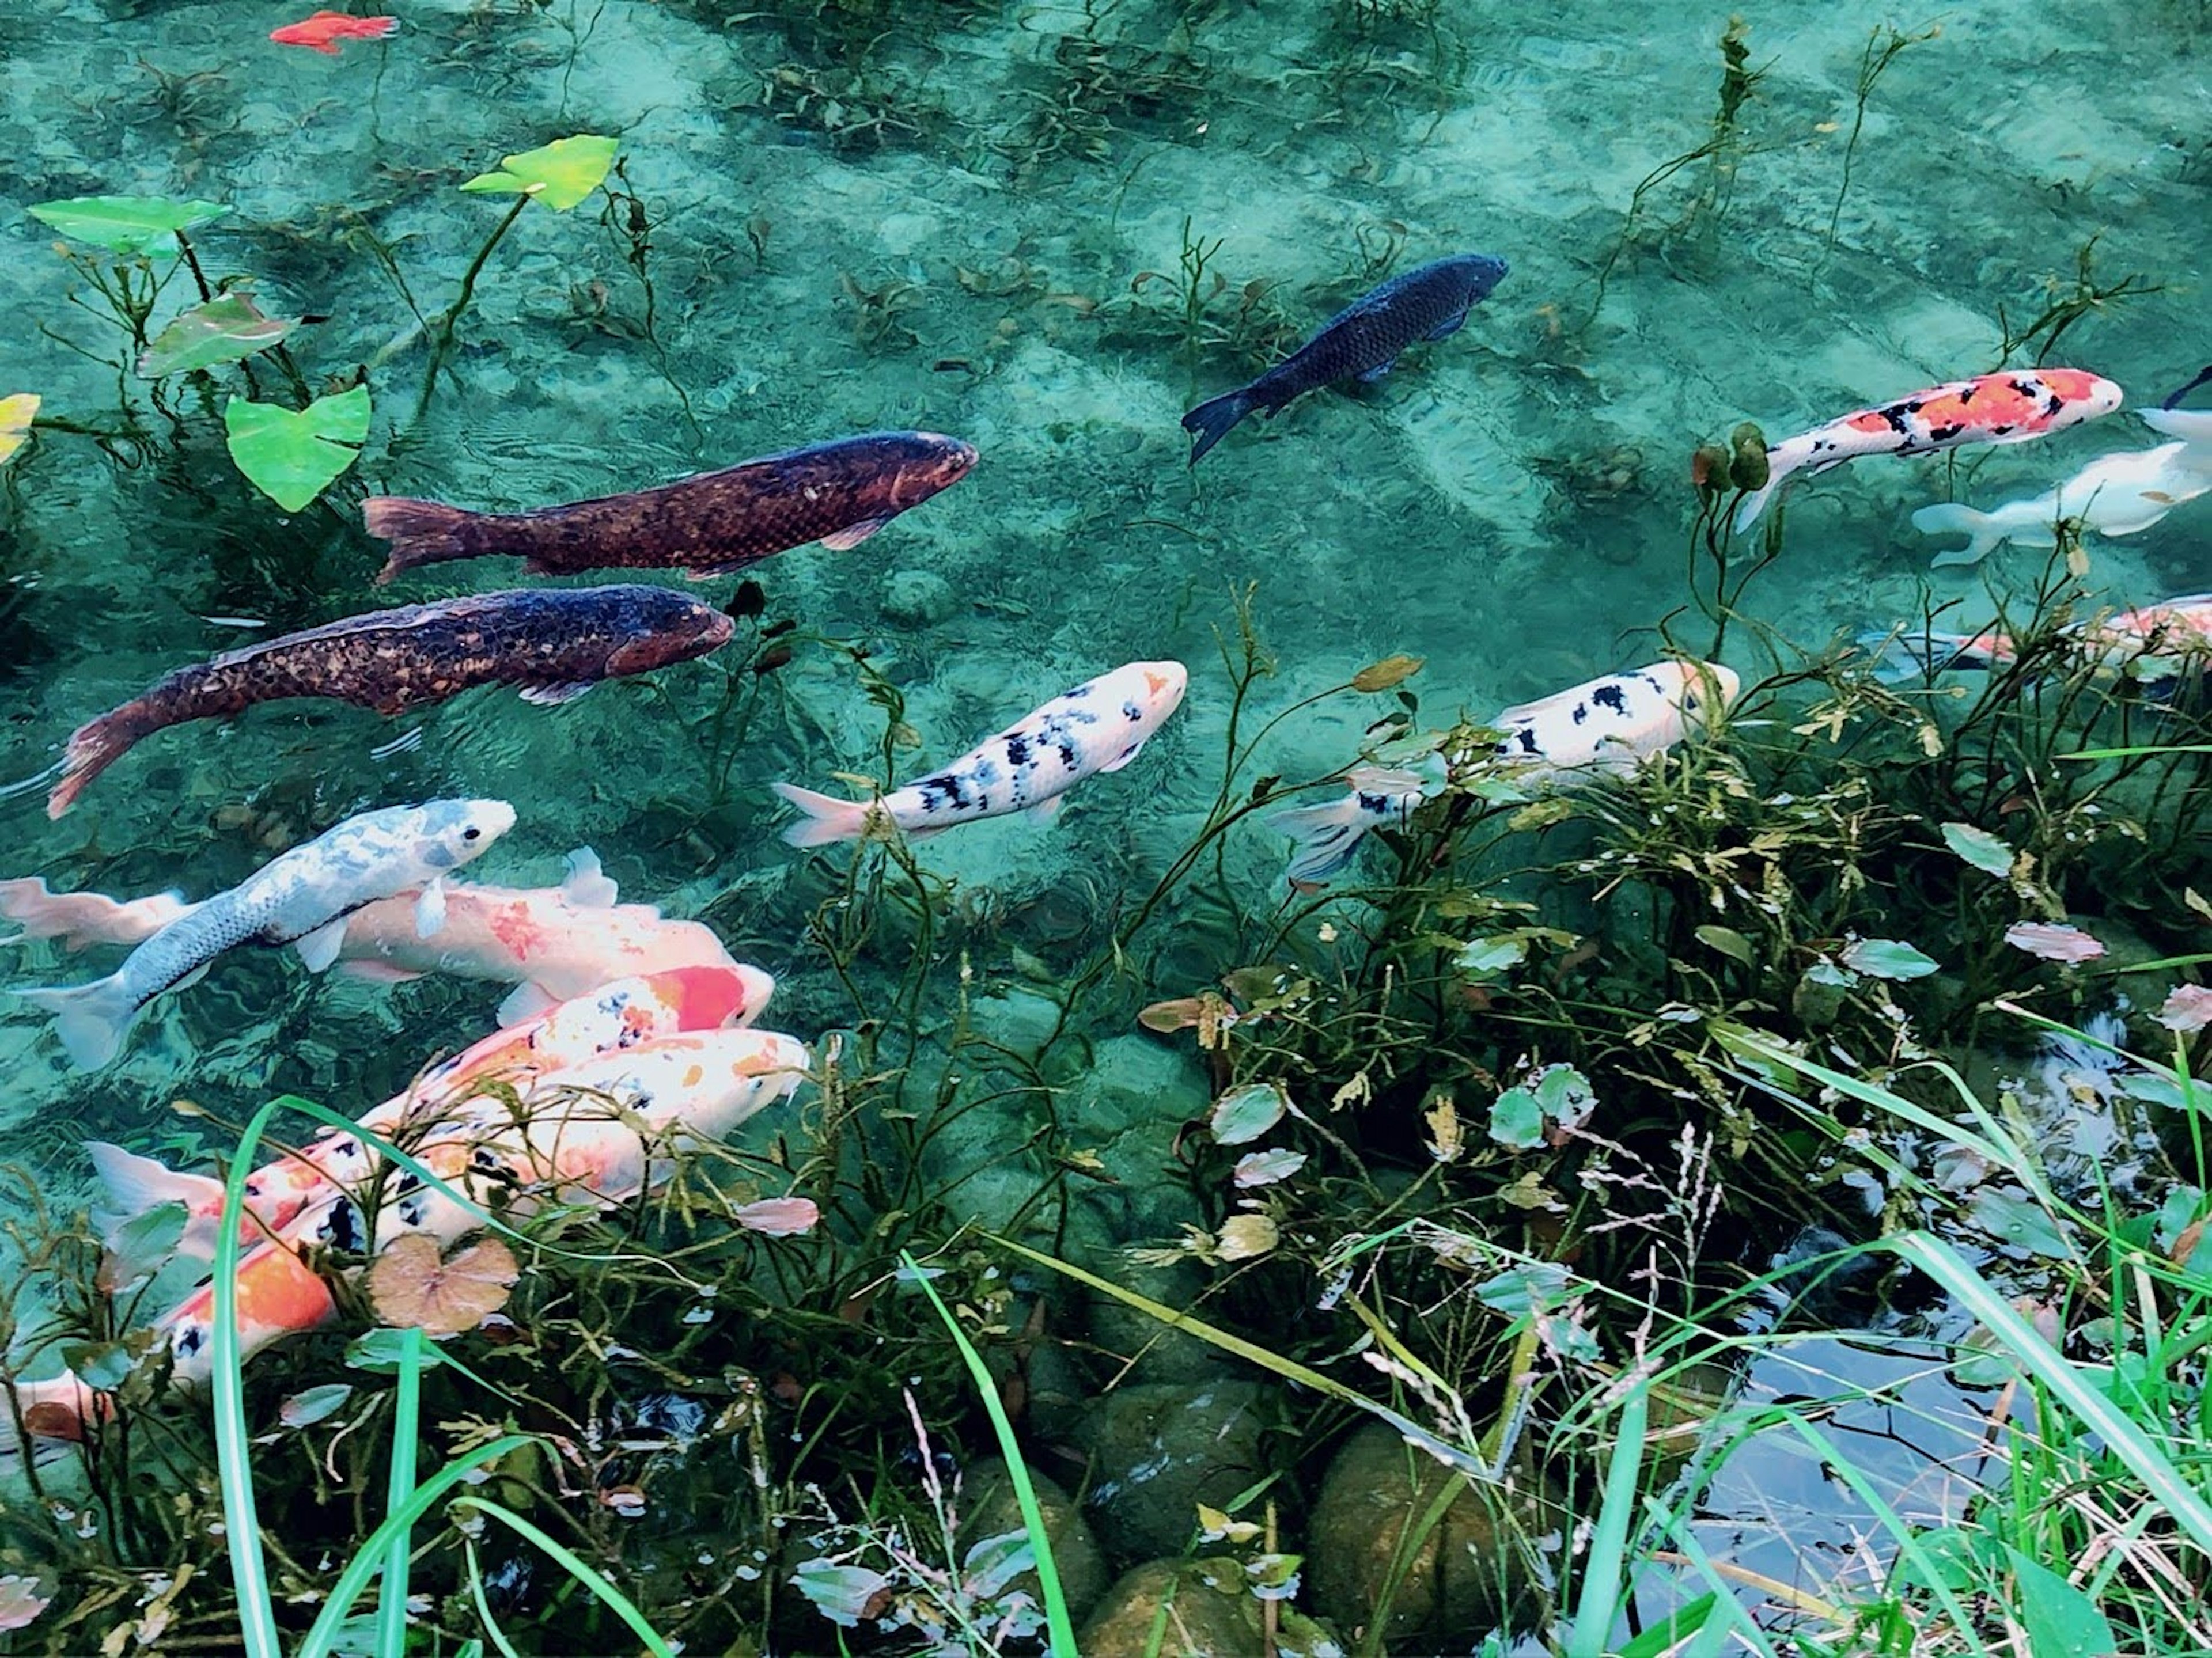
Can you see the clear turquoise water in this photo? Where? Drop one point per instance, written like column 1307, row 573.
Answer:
column 1509, row 505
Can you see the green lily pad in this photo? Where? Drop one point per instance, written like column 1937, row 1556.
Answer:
column 561, row 175
column 225, row 329
column 128, row 225
column 292, row 456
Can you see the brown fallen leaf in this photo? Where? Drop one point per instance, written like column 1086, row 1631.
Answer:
column 410, row 1285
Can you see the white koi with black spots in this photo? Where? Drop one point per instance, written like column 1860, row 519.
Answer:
column 1099, row 726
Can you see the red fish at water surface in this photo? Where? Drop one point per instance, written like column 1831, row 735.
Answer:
column 323, row 31
column 2010, row 406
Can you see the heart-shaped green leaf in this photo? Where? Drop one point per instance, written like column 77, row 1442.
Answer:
column 559, row 174
column 291, row 457
column 127, row 224
column 225, row 329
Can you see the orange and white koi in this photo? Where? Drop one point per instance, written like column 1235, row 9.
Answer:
column 2010, row 406
column 625, row 1014
column 598, row 1134
column 324, row 30
column 550, row 943
column 2152, row 640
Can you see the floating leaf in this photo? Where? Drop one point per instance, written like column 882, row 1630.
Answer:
column 1983, row 850
column 1566, row 1095
column 779, row 1217
column 1245, row 1236
column 1390, row 670
column 129, row 225
column 559, row 174
column 2189, row 1008
column 1266, row 1167
column 17, row 413
column 1730, row 943
column 1887, row 958
column 1486, row 958
column 1244, row 1113
column 292, row 457
column 410, row 1285
column 20, row 1600
column 2018, row 1223
column 843, row 1595
column 310, row 1405
column 1542, row 1286
column 2052, row 943
column 225, row 329
column 1516, row 1121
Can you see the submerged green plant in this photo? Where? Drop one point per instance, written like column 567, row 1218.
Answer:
column 2063, row 310
column 1882, row 48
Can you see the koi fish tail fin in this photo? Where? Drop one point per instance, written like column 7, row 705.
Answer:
column 828, row 821
column 135, row 1185
column 1783, row 461
column 1327, row 837
column 53, row 1413
column 421, row 532
column 78, row 919
column 90, row 1019
column 92, row 748
column 1948, row 517
column 1211, row 421
column 1913, row 655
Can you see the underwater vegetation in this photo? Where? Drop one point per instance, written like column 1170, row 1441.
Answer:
column 1577, row 1050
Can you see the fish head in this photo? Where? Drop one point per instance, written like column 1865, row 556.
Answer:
column 446, row 834
column 668, row 627
column 1481, row 272
column 708, row 997
column 930, row 462
column 1158, row 687
column 1707, row 688
column 2086, row 396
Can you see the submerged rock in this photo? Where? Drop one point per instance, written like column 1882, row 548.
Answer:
column 1158, row 1450
column 1195, row 1609
column 1455, row 1583
column 989, row 1508
column 918, row 599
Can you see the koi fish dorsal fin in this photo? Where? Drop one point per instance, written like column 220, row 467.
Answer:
column 586, row 885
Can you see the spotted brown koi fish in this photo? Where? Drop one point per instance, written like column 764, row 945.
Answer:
column 2008, row 407
column 838, row 494
column 555, row 644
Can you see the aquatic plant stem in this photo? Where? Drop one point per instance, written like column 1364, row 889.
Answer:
column 442, row 332
column 249, row 1567
column 407, row 1405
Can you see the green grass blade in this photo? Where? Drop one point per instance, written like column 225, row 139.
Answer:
column 618, row 1602
column 368, row 1559
column 1599, row 1602
column 1466, row 1461
column 407, row 1406
column 1062, row 1627
column 249, row 1566
column 2137, row 753
column 2126, row 1441
column 483, row 1607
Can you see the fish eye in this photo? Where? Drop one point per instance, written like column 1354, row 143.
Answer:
column 471, row 834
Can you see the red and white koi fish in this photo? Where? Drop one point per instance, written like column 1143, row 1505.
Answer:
column 2008, row 407
column 625, row 1014
column 596, row 1132
column 2159, row 634
column 322, row 32
column 1607, row 726
column 1099, row 726
column 550, row 943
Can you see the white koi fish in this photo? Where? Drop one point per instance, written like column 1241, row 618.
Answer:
column 1607, row 727
column 1099, row 726
column 302, row 898
column 2115, row 494
column 552, row 943
column 2008, row 407
column 595, row 1133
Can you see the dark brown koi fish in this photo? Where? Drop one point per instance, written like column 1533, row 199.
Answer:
column 555, row 643
column 838, row 494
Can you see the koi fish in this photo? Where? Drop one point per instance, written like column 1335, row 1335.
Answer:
column 301, row 897
column 1361, row 342
column 322, row 32
column 555, row 644
column 2158, row 634
column 1607, row 727
column 624, row 1014
column 2011, row 406
column 598, row 1134
column 2115, row 494
column 838, row 494
column 549, row 943
column 1099, row 726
